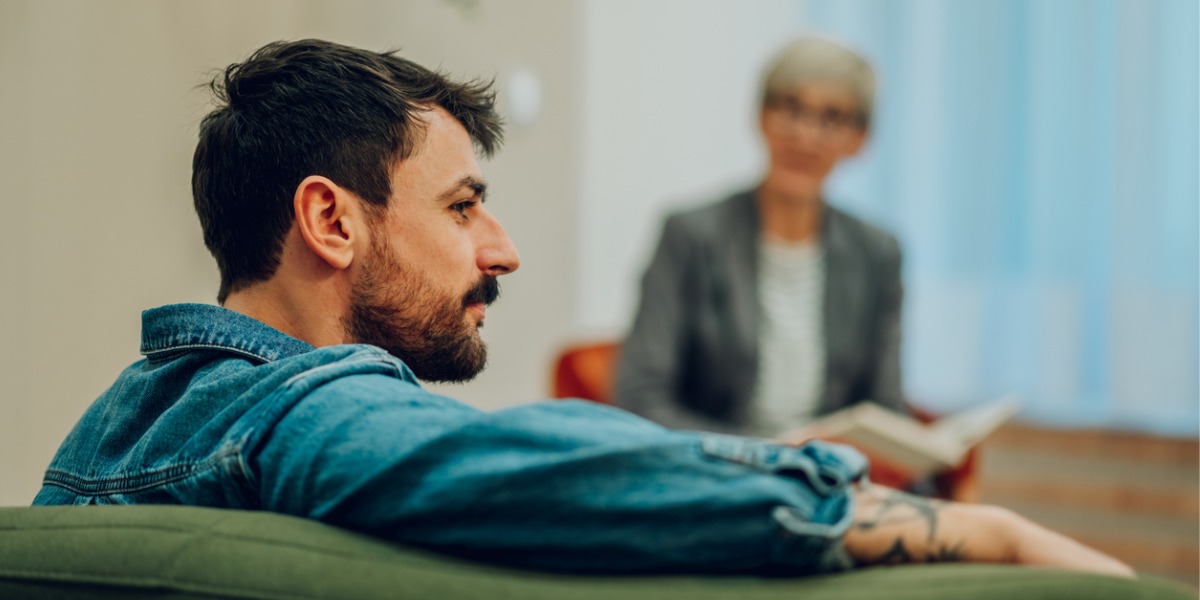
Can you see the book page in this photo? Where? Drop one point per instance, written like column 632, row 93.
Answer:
column 970, row 426
column 904, row 441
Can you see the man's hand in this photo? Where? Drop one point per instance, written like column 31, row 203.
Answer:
column 892, row 527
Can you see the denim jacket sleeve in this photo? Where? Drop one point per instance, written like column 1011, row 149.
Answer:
column 567, row 486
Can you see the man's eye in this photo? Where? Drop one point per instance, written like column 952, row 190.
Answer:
column 462, row 207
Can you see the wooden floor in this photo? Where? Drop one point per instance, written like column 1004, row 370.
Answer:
column 1136, row 497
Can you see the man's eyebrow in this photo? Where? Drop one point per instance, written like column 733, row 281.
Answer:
column 475, row 184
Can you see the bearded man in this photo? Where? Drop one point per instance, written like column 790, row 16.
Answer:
column 338, row 190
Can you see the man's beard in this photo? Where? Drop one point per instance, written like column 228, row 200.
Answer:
column 393, row 308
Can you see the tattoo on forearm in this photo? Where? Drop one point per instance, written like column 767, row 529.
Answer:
column 891, row 511
column 895, row 555
column 899, row 554
column 896, row 508
column 947, row 553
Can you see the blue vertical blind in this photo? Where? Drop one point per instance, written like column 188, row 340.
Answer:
column 1039, row 161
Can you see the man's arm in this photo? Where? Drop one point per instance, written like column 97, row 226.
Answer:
column 892, row 527
column 563, row 486
column 575, row 486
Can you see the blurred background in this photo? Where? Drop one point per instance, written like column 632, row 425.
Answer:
column 1038, row 161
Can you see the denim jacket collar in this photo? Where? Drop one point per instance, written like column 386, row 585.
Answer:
column 178, row 327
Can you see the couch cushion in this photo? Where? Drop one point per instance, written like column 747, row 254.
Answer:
column 188, row 552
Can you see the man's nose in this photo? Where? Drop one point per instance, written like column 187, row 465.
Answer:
column 496, row 254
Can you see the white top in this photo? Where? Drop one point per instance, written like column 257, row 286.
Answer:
column 791, row 348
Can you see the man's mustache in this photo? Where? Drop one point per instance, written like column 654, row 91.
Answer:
column 485, row 292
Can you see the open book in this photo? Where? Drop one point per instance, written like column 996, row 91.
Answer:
column 906, row 442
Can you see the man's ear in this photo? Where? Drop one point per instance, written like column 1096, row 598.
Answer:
column 330, row 220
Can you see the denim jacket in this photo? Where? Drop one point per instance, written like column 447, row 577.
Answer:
column 225, row 411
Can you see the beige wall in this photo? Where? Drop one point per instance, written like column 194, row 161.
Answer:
column 98, row 112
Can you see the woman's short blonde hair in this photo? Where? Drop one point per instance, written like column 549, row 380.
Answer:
column 820, row 59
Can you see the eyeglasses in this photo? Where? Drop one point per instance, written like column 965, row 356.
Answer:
column 825, row 120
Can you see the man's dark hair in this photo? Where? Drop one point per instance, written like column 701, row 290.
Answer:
column 311, row 107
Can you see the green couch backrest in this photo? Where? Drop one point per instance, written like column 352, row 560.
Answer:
column 189, row 552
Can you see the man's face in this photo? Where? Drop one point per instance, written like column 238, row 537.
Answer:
column 807, row 130
column 434, row 257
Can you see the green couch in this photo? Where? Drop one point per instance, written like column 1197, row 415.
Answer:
column 186, row 552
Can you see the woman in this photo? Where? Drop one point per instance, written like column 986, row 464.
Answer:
column 770, row 307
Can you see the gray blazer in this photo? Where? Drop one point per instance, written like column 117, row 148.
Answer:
column 691, row 359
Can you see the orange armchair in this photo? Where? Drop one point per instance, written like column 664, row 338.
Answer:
column 587, row 370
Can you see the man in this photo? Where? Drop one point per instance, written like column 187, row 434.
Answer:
column 339, row 192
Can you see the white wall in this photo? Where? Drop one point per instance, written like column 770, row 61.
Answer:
column 98, row 114
column 669, row 119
